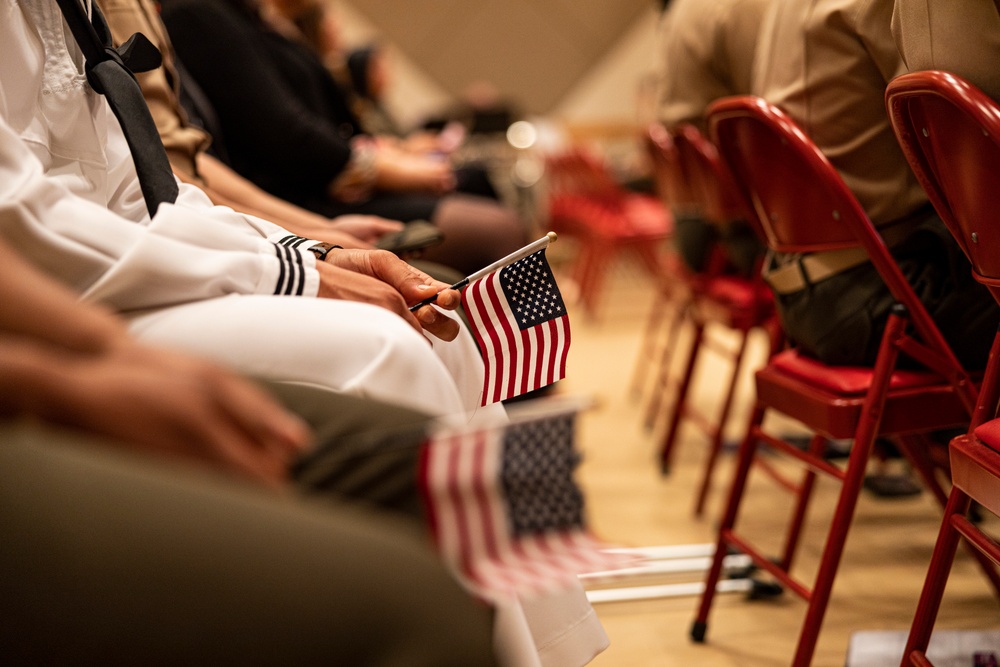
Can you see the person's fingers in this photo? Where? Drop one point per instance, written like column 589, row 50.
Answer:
column 385, row 226
column 438, row 324
column 413, row 284
column 449, row 299
column 228, row 446
column 262, row 418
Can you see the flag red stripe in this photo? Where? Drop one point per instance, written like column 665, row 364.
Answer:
column 482, row 494
column 455, row 496
column 423, row 470
column 471, row 303
column 503, row 322
column 564, row 339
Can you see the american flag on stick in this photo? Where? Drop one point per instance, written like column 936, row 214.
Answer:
column 504, row 508
column 519, row 320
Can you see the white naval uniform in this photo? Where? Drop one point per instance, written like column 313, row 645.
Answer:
column 195, row 277
column 205, row 279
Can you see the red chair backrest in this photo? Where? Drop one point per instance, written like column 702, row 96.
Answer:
column 672, row 182
column 802, row 203
column 710, row 181
column 781, row 175
column 577, row 171
column 949, row 131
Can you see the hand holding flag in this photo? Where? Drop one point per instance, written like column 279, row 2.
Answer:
column 519, row 321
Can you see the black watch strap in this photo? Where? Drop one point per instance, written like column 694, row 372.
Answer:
column 321, row 250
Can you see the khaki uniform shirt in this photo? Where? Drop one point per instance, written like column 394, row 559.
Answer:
column 160, row 87
column 707, row 53
column 827, row 64
column 957, row 36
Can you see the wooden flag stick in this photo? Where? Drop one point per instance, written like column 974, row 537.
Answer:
column 499, row 264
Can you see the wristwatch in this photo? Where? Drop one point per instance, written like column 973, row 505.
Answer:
column 321, row 250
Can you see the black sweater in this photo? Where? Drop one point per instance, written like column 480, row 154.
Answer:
column 285, row 120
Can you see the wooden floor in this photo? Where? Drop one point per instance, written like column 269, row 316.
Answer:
column 631, row 504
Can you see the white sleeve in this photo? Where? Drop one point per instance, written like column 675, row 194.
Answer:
column 187, row 252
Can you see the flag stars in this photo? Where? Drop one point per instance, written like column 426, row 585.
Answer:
column 530, row 290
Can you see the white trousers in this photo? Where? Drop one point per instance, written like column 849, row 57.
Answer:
column 342, row 346
column 365, row 350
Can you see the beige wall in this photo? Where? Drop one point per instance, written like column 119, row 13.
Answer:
column 612, row 90
column 606, row 50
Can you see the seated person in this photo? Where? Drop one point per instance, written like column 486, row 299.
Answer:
column 836, row 95
column 368, row 75
column 960, row 36
column 201, row 277
column 223, row 285
column 707, row 53
column 301, row 142
column 188, row 145
column 111, row 549
column 367, row 80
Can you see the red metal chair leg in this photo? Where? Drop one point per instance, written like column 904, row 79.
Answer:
column 747, row 451
column 649, row 253
column 915, row 450
column 656, row 406
column 803, row 496
column 593, row 282
column 661, row 310
column 719, row 432
column 680, row 403
column 927, row 473
column 936, row 580
column 847, row 501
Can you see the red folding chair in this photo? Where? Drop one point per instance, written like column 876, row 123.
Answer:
column 586, row 203
column 803, row 206
column 950, row 133
column 715, row 297
column 663, row 325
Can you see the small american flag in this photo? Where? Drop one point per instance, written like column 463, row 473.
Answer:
column 520, row 323
column 504, row 508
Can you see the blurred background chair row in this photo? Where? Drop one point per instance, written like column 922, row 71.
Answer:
column 795, row 193
column 950, row 134
column 757, row 165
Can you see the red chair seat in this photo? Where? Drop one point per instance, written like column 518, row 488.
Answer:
column 736, row 292
column 846, row 380
column 975, row 469
column 587, row 204
column 989, row 434
column 647, row 215
column 908, row 409
column 636, row 218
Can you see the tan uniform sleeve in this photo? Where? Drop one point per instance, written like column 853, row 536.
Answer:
column 957, row 36
column 160, row 87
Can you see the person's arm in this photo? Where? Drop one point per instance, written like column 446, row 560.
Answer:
column 74, row 365
column 187, row 252
column 227, row 188
column 688, row 82
column 957, row 36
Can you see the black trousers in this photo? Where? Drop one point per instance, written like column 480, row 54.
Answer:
column 840, row 320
